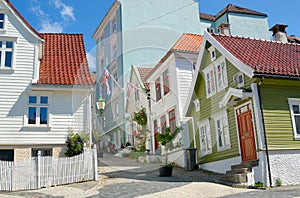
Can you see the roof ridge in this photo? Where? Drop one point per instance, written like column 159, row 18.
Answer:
column 252, row 38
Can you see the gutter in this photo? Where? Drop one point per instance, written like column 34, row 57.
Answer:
column 262, row 76
column 264, row 129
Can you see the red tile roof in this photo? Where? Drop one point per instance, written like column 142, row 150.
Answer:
column 264, row 57
column 144, row 71
column 64, row 61
column 188, row 43
column 22, row 18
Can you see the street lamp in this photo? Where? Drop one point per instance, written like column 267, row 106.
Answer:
column 100, row 106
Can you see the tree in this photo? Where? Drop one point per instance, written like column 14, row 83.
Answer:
column 166, row 138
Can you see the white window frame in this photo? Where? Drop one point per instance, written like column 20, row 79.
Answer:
column 210, row 81
column 197, row 104
column 3, row 51
column 113, row 51
column 115, row 76
column 205, row 136
column 239, row 79
column 224, row 129
column 211, row 76
column 294, row 101
column 2, row 30
column 116, row 110
column 212, row 52
column 221, row 76
column 136, row 93
column 38, row 105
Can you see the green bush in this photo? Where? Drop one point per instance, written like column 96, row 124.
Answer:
column 74, row 144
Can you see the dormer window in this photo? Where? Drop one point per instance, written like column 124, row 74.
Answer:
column 2, row 16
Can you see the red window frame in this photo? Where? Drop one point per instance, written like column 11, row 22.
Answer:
column 157, row 89
column 172, row 120
column 166, row 82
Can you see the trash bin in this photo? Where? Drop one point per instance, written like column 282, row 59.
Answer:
column 190, row 158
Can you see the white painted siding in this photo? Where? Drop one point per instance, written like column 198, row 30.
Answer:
column 69, row 109
column 184, row 76
column 14, row 83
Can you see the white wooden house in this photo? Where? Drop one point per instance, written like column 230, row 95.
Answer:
column 136, row 94
column 45, row 88
column 169, row 84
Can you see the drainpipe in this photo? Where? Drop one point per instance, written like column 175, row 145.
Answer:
column 264, row 130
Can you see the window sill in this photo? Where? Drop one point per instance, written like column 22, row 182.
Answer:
column 296, row 137
column 7, row 70
column 39, row 128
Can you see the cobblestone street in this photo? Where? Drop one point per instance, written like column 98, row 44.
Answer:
column 122, row 177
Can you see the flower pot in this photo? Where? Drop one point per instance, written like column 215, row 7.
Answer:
column 165, row 171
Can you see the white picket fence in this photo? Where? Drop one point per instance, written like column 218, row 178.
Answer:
column 39, row 172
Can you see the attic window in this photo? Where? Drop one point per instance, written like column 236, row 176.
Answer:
column 197, row 104
column 238, row 79
column 2, row 20
column 212, row 51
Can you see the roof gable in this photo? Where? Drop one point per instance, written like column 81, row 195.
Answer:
column 188, row 43
column 64, row 61
column 264, row 57
column 18, row 15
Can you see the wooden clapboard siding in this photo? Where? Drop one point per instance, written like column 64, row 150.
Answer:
column 210, row 106
column 278, row 123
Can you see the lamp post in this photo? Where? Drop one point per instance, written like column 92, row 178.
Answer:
column 100, row 106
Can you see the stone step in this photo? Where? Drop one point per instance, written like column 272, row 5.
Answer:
column 239, row 171
column 235, row 178
column 245, row 165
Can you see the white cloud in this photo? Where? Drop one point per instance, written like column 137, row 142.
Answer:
column 48, row 27
column 67, row 12
column 92, row 61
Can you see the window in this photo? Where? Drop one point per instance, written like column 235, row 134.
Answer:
column 163, row 123
column 210, row 30
column 212, row 52
column 221, row 76
column 136, row 94
column 7, row 155
column 215, row 77
column 210, row 83
column 113, row 52
column 115, row 80
column 102, row 62
column 6, row 54
column 172, row 121
column 239, row 79
column 294, row 104
column 2, row 20
column 114, row 25
column 101, row 40
column 158, row 89
column 197, row 104
column 44, row 152
column 155, row 126
column 38, row 110
column 222, row 131
column 205, row 138
column 116, row 110
column 166, row 82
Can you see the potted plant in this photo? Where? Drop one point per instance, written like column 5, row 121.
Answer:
column 165, row 140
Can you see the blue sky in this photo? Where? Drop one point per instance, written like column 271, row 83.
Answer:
column 79, row 16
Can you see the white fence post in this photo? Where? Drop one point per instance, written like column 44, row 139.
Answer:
column 95, row 159
column 39, row 169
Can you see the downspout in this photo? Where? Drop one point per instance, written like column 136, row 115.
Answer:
column 264, row 130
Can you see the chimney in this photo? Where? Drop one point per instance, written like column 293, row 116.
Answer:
column 224, row 29
column 279, row 33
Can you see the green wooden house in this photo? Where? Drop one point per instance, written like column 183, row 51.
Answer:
column 245, row 102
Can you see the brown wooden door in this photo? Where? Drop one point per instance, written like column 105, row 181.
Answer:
column 246, row 133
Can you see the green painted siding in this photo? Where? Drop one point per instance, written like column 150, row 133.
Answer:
column 210, row 106
column 278, row 123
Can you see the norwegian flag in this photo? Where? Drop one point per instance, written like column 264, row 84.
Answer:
column 129, row 88
column 106, row 76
